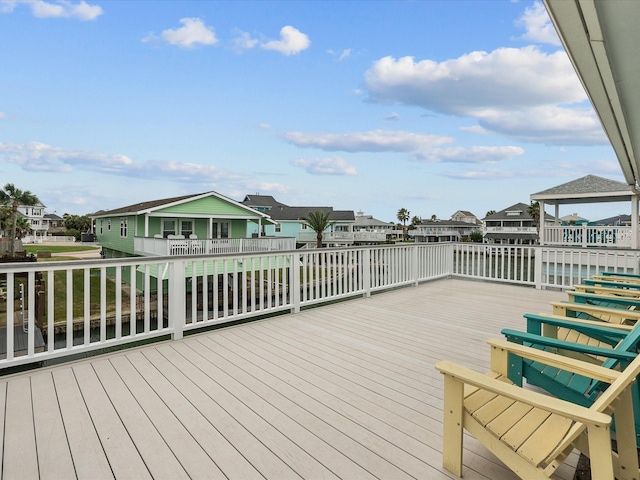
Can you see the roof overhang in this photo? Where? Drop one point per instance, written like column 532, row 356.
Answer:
column 577, row 198
column 602, row 39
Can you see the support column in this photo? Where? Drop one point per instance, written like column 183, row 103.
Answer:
column 541, row 223
column 634, row 222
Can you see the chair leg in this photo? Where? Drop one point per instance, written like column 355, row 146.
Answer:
column 453, row 428
column 626, row 438
column 600, row 453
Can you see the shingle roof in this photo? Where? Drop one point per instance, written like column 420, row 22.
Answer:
column 261, row 201
column 137, row 207
column 281, row 212
column 523, row 207
column 587, row 184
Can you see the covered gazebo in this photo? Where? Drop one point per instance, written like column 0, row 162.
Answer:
column 589, row 189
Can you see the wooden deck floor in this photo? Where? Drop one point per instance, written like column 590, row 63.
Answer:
column 342, row 391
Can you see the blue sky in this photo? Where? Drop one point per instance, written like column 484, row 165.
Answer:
column 433, row 106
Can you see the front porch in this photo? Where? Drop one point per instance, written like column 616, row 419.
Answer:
column 159, row 246
column 346, row 390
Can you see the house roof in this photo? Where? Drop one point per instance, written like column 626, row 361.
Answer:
column 281, row 212
column 623, row 218
column 149, row 206
column 52, row 216
column 518, row 207
column 588, row 189
column 368, row 220
column 465, row 213
column 261, row 201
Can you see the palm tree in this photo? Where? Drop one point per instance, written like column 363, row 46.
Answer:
column 14, row 197
column 490, row 212
column 403, row 216
column 22, row 228
column 533, row 211
column 416, row 220
column 318, row 221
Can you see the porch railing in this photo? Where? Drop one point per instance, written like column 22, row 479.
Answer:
column 587, row 236
column 57, row 309
column 210, row 246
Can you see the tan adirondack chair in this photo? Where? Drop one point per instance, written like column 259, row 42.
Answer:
column 596, row 312
column 614, row 292
column 533, row 433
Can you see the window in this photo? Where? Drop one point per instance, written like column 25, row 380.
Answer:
column 101, row 222
column 304, row 226
column 278, row 228
column 186, row 228
column 168, row 227
column 109, row 224
column 123, row 227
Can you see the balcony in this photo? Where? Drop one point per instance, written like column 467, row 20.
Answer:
column 374, row 237
column 347, row 389
column 151, row 246
column 327, row 237
column 533, row 230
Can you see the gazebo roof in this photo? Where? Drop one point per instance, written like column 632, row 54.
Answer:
column 588, row 189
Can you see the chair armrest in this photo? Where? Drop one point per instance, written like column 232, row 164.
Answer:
column 593, row 328
column 528, row 397
column 559, row 361
column 620, row 327
column 519, row 337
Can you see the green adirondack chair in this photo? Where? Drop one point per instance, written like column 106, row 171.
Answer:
column 613, row 348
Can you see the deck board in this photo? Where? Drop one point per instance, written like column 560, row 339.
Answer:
column 346, row 390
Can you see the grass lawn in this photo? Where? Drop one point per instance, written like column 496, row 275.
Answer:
column 59, row 248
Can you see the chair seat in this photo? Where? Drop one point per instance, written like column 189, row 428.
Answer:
column 531, row 432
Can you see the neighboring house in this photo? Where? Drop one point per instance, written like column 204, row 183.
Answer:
column 573, row 219
column 34, row 214
column 201, row 223
column 466, row 216
column 622, row 220
column 367, row 229
column 55, row 222
column 459, row 228
column 289, row 221
column 512, row 226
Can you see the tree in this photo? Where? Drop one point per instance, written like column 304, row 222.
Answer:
column 76, row 222
column 416, row 220
column 533, row 211
column 318, row 221
column 14, row 197
column 403, row 216
column 434, row 217
column 490, row 212
column 22, row 228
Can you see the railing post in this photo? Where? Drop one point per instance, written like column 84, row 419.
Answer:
column 177, row 298
column 366, row 271
column 415, row 268
column 295, row 283
column 584, row 235
column 450, row 259
column 537, row 267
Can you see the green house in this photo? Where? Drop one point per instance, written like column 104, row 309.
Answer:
column 204, row 223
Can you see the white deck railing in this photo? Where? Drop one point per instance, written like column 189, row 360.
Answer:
column 75, row 307
column 210, row 246
column 587, row 236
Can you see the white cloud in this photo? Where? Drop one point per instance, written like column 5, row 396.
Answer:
column 325, row 166
column 478, row 154
column 40, row 157
column 506, row 87
column 7, row 6
column 35, row 156
column 292, row 41
column 243, row 41
column 372, row 141
column 192, row 32
column 550, row 124
column 537, row 25
column 392, row 117
column 62, row 9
